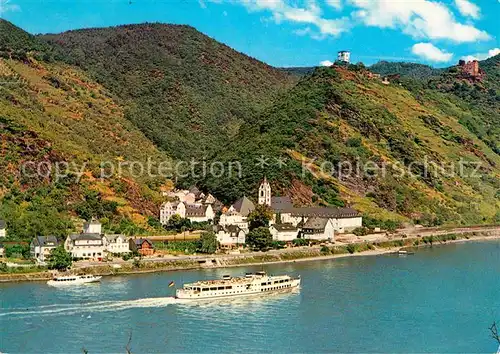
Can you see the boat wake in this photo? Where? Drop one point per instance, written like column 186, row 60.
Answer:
column 86, row 308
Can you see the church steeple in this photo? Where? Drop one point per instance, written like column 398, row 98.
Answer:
column 265, row 193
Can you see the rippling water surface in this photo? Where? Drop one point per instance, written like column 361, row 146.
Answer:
column 440, row 300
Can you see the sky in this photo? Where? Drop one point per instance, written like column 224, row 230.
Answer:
column 295, row 32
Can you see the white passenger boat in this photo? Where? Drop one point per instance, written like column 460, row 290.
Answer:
column 73, row 280
column 250, row 284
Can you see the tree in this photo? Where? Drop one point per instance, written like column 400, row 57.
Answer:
column 60, row 259
column 207, row 242
column 176, row 222
column 260, row 217
column 260, row 238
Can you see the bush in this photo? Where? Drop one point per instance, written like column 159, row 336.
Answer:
column 361, row 231
column 300, row 242
column 278, row 245
column 351, row 248
column 325, row 250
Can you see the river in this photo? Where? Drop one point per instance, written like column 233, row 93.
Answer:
column 442, row 299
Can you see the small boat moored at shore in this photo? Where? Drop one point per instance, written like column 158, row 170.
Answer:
column 74, row 280
column 250, row 284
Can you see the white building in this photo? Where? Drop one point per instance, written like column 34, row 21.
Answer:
column 3, row 228
column 265, row 193
column 232, row 217
column 86, row 246
column 344, row 56
column 237, row 214
column 318, row 229
column 343, row 219
column 41, row 246
column 169, row 209
column 284, row 232
column 230, row 236
column 116, row 244
column 92, row 227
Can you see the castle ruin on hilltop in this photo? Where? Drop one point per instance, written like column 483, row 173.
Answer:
column 471, row 70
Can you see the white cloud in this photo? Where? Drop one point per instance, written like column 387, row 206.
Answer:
column 7, row 6
column 418, row 18
column 336, row 4
column 326, row 63
column 482, row 56
column 310, row 14
column 429, row 52
column 468, row 8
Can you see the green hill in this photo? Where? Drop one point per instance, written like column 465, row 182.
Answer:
column 188, row 93
column 132, row 94
column 52, row 114
column 413, row 70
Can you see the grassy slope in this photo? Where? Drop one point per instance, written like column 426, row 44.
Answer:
column 51, row 113
column 337, row 116
column 186, row 91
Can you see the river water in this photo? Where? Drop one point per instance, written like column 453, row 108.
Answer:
column 442, row 299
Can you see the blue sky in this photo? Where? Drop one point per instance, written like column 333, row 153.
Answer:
column 295, row 32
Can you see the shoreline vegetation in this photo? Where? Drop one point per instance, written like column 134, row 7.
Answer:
column 300, row 254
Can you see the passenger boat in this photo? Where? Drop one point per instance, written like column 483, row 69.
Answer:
column 73, row 280
column 250, row 284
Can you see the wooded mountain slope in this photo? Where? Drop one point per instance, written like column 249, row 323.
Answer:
column 53, row 113
column 188, row 93
column 338, row 115
column 155, row 91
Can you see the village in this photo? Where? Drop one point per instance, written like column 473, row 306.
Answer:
column 230, row 225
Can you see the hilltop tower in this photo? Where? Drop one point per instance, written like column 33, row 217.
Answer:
column 265, row 193
column 344, row 56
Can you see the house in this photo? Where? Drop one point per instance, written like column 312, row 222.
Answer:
column 169, row 209
column 284, row 232
column 199, row 213
column 344, row 219
column 41, row 246
column 232, row 217
column 85, row 246
column 318, row 229
column 230, row 236
column 193, row 212
column 144, row 246
column 116, row 244
column 237, row 214
column 3, row 228
column 92, row 227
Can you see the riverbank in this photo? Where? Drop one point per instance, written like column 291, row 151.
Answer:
column 302, row 254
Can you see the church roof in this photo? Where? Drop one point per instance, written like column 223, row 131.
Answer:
column 244, row 206
column 281, row 203
column 323, row 212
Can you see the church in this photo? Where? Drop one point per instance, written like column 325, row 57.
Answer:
column 342, row 219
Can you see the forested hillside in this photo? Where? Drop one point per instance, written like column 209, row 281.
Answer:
column 50, row 114
column 412, row 70
column 160, row 92
column 188, row 93
column 338, row 115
